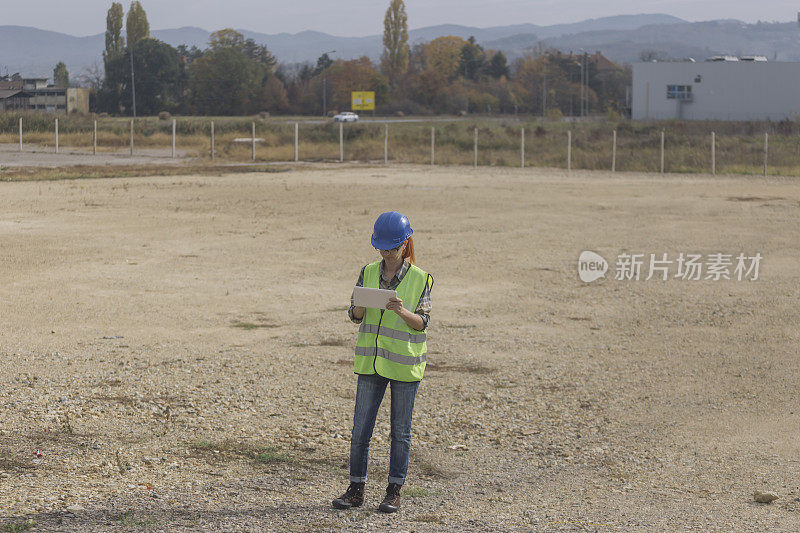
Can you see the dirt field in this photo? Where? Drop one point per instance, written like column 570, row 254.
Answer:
column 178, row 349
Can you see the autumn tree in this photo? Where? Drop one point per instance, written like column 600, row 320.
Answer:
column 136, row 25
column 443, row 55
column 344, row 77
column 60, row 75
column 115, row 42
column 394, row 60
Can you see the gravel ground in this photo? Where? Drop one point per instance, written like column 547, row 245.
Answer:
column 177, row 355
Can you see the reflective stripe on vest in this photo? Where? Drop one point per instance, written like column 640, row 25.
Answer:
column 386, row 345
column 396, row 357
column 393, row 333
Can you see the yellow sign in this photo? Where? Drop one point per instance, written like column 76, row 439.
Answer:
column 363, row 100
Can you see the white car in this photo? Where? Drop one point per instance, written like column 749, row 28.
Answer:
column 347, row 116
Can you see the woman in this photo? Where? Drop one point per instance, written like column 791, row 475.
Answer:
column 390, row 350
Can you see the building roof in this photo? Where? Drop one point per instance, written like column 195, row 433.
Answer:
column 602, row 62
column 10, row 84
column 8, row 93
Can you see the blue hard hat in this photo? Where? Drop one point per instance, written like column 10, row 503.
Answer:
column 391, row 230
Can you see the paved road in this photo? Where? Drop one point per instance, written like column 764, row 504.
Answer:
column 41, row 156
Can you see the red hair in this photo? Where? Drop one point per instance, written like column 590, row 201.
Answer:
column 408, row 252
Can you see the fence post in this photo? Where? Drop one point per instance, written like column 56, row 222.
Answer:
column 296, row 142
column 56, row 135
column 173, row 138
column 213, row 155
column 433, row 144
column 20, row 134
column 713, row 154
column 341, row 142
column 766, row 146
column 131, row 136
column 94, row 139
column 522, row 149
column 386, row 145
column 253, row 138
column 569, row 150
column 614, row 152
column 662, row 151
column 475, row 158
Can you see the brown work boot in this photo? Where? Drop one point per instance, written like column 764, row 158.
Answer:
column 353, row 497
column 391, row 502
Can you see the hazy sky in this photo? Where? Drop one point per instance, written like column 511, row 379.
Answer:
column 364, row 17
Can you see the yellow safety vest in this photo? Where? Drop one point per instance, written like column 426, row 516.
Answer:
column 386, row 345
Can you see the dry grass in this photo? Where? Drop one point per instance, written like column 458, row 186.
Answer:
column 125, row 171
column 739, row 149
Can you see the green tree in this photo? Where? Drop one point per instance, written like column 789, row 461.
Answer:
column 115, row 42
column 160, row 79
column 222, row 82
column 136, row 25
column 60, row 75
column 498, row 66
column 323, row 62
column 235, row 76
column 473, row 60
column 394, row 60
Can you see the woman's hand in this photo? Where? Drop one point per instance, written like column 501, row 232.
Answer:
column 413, row 320
column 396, row 305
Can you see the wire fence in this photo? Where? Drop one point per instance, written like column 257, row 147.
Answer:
column 617, row 147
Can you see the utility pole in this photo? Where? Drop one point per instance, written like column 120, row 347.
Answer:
column 133, row 85
column 586, row 85
column 581, row 64
column 466, row 92
column 544, row 89
column 325, row 86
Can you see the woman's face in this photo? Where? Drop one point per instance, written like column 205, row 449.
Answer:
column 393, row 255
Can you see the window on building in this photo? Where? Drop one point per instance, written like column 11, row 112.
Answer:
column 679, row 92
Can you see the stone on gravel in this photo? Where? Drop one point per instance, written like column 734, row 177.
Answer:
column 764, row 497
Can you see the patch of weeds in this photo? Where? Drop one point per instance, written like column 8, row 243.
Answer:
column 428, row 518
column 230, row 450
column 247, row 326
column 9, row 462
column 331, row 341
column 415, row 492
column 130, row 520
column 468, row 368
column 272, row 455
column 14, row 527
column 754, row 198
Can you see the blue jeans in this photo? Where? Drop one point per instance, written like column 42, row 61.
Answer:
column 369, row 394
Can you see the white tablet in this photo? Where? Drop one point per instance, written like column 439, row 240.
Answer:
column 374, row 298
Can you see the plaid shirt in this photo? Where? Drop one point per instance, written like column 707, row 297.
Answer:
column 423, row 307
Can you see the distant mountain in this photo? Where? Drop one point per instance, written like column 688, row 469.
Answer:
column 35, row 52
column 776, row 41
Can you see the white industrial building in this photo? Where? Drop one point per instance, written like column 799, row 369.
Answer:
column 723, row 89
